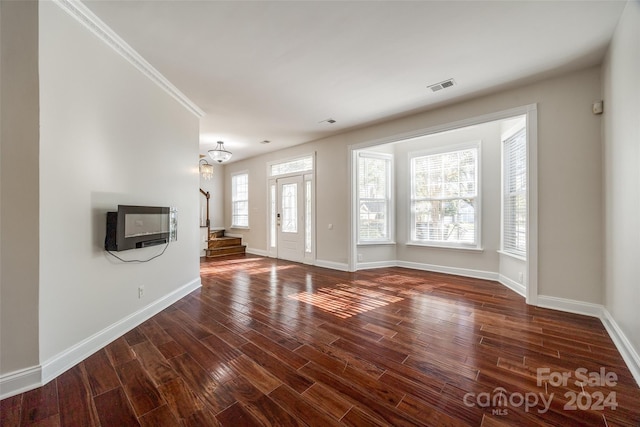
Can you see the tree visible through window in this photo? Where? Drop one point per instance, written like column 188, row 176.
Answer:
column 374, row 197
column 444, row 198
column 240, row 200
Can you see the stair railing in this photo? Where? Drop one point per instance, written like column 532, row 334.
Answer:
column 208, row 223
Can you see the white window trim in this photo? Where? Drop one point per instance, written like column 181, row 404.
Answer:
column 477, row 246
column 510, row 255
column 378, row 243
column 390, row 240
column 240, row 227
column 451, row 247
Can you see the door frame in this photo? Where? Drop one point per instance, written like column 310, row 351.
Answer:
column 307, row 176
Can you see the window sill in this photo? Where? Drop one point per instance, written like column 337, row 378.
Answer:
column 375, row 243
column 239, row 227
column 514, row 256
column 460, row 248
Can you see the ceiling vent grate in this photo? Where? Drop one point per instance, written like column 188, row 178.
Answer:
column 442, row 85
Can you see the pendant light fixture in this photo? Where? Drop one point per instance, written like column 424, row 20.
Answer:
column 219, row 154
column 206, row 170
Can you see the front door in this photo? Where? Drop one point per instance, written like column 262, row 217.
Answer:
column 290, row 218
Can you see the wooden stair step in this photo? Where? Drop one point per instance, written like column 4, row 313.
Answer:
column 221, row 242
column 227, row 250
column 216, row 234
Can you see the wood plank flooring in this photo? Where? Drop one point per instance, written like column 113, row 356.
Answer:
column 269, row 342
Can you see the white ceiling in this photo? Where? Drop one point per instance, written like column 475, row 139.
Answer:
column 275, row 69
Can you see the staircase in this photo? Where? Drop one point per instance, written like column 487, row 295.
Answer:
column 220, row 245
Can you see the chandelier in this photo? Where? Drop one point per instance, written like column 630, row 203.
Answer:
column 219, row 154
column 206, row 170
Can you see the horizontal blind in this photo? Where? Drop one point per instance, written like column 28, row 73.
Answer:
column 373, row 197
column 240, row 200
column 514, row 233
column 444, row 197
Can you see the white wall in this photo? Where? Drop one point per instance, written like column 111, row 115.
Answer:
column 108, row 136
column 19, row 160
column 621, row 132
column 570, row 193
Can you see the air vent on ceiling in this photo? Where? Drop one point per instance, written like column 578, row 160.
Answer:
column 442, row 85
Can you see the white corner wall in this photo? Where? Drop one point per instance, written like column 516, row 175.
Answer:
column 108, row 136
column 621, row 134
column 18, row 188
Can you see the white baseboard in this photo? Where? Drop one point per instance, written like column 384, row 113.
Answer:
column 376, row 264
column 626, row 349
column 624, row 346
column 516, row 287
column 33, row 377
column 466, row 272
column 332, row 265
column 20, row 381
column 255, row 251
column 571, row 306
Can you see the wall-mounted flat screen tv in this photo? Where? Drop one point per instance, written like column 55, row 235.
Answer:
column 133, row 227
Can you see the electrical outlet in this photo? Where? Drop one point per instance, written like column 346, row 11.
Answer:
column 140, row 291
column 360, row 257
column 520, row 277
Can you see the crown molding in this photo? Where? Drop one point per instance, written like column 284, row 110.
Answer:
column 82, row 14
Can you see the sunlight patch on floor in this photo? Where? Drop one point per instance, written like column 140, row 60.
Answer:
column 346, row 301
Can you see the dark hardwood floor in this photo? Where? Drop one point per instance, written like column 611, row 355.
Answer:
column 268, row 342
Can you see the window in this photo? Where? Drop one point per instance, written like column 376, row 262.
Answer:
column 302, row 164
column 514, row 203
column 374, row 197
column 272, row 234
column 307, row 216
column 444, row 198
column 289, row 222
column 240, row 200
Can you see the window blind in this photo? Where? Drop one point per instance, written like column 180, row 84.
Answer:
column 514, row 231
column 444, row 198
column 374, row 195
column 240, row 200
